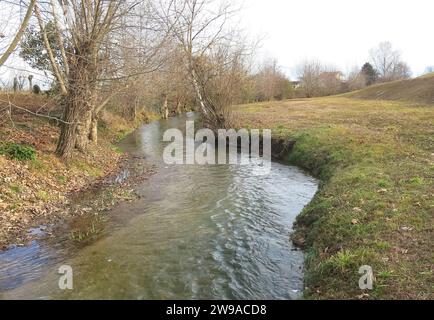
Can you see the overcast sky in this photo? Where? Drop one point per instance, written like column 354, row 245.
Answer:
column 341, row 32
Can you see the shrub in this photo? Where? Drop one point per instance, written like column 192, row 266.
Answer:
column 36, row 89
column 16, row 151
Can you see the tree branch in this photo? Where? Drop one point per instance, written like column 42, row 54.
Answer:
column 53, row 62
column 19, row 34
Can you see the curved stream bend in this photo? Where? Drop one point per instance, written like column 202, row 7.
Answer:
column 198, row 232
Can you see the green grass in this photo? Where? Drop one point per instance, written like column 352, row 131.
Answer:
column 116, row 149
column 62, row 179
column 87, row 168
column 375, row 205
column 15, row 188
column 15, row 151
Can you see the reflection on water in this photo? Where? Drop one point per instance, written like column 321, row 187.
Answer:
column 197, row 232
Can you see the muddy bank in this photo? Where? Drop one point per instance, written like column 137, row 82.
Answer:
column 280, row 148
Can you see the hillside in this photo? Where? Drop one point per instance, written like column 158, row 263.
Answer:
column 419, row 90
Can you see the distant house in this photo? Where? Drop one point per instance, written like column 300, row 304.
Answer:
column 332, row 75
column 295, row 84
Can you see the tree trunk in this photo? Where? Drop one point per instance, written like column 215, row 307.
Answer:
column 15, row 84
column 178, row 106
column 83, row 132
column 79, row 103
column 67, row 139
column 197, row 89
column 56, row 69
column 93, row 134
column 136, row 107
column 165, row 108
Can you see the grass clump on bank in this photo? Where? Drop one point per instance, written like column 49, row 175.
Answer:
column 15, row 151
column 375, row 206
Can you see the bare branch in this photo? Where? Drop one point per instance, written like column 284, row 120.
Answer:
column 55, row 66
column 19, row 34
column 33, row 113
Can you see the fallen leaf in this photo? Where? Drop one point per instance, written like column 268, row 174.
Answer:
column 363, row 296
column 407, row 229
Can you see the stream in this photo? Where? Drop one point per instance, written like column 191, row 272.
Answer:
column 196, row 232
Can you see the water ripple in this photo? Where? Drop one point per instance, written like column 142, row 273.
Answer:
column 216, row 232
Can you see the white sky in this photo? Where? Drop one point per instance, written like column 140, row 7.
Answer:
column 337, row 32
column 341, row 32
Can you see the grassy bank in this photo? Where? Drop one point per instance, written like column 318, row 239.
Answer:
column 375, row 206
column 35, row 185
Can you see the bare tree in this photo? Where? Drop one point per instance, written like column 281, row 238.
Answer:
column 170, row 83
column 103, row 45
column 88, row 24
column 271, row 83
column 402, row 71
column 21, row 78
column 308, row 72
column 330, row 81
column 319, row 79
column 356, row 79
column 201, row 29
column 222, row 76
column 30, row 78
column 388, row 63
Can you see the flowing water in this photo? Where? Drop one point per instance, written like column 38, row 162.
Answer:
column 197, row 232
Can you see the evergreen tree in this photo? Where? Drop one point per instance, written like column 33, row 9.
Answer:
column 370, row 73
column 33, row 49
